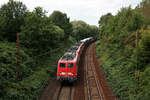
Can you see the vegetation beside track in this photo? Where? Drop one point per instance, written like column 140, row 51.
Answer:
column 35, row 72
column 126, row 64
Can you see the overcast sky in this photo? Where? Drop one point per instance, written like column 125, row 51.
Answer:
column 86, row 10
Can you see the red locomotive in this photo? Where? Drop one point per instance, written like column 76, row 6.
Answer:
column 68, row 64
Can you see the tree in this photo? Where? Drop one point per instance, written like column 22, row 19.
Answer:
column 121, row 57
column 39, row 34
column 82, row 30
column 144, row 49
column 8, row 65
column 124, row 23
column 12, row 17
column 105, row 19
column 60, row 19
column 94, row 31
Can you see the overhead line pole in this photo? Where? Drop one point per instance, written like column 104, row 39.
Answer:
column 137, row 40
column 137, row 63
column 103, row 36
column 18, row 58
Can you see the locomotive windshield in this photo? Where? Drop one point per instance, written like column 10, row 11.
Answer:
column 70, row 65
column 62, row 65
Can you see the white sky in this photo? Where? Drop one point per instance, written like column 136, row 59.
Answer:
column 86, row 10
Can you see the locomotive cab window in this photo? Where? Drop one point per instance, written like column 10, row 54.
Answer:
column 70, row 65
column 62, row 65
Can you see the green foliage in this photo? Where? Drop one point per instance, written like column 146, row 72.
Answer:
column 118, row 69
column 144, row 49
column 125, row 22
column 144, row 85
column 117, row 51
column 60, row 19
column 93, row 31
column 42, row 44
column 105, row 19
column 8, row 66
column 82, row 30
column 12, row 17
column 38, row 29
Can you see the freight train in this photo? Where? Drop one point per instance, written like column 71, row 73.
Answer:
column 68, row 64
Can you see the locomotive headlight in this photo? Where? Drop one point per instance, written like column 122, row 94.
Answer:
column 62, row 73
column 70, row 73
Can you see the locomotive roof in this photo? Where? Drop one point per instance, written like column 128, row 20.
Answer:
column 73, row 49
column 78, row 44
column 86, row 39
column 68, row 56
column 71, row 53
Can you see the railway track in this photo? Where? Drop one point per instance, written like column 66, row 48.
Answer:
column 64, row 92
column 92, row 83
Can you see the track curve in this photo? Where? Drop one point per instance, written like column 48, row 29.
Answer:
column 92, row 83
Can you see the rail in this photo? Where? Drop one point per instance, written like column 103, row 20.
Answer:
column 97, row 82
column 87, row 81
column 89, row 55
column 60, row 92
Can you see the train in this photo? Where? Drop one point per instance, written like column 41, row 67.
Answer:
column 68, row 64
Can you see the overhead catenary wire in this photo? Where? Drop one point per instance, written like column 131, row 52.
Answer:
column 43, row 54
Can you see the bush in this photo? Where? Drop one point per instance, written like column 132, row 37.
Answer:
column 8, row 67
